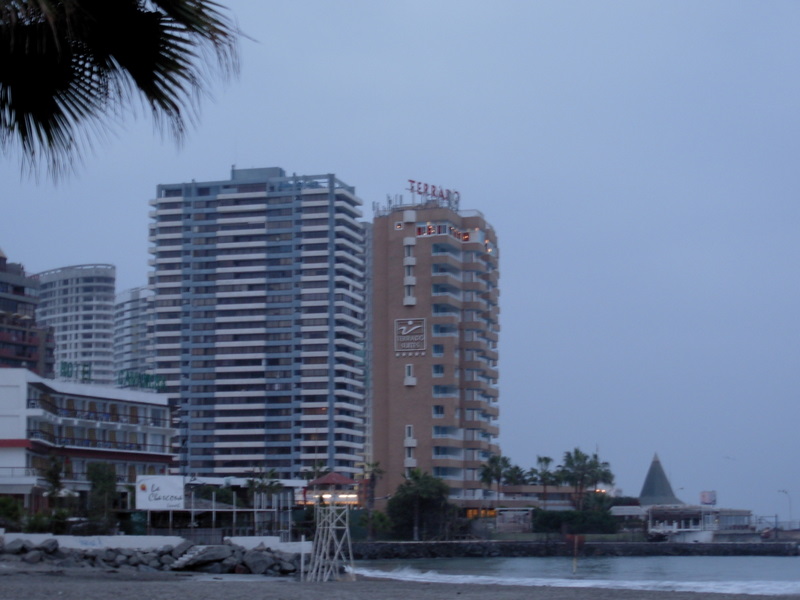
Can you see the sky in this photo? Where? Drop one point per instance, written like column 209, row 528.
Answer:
column 638, row 161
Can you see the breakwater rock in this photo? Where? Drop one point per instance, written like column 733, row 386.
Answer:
column 186, row 556
column 484, row 548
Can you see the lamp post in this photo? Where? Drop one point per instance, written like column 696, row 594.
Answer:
column 789, row 498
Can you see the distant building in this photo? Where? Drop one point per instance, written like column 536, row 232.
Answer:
column 77, row 424
column 669, row 518
column 23, row 344
column 133, row 333
column 78, row 303
column 259, row 321
column 434, row 334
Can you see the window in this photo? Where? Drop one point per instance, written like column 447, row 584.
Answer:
column 438, row 370
column 409, row 431
column 438, row 411
column 438, row 350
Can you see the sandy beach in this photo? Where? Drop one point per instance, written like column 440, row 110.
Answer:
column 21, row 582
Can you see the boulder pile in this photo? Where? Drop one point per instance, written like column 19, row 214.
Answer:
column 186, row 556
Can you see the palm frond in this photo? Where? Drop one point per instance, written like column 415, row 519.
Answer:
column 68, row 66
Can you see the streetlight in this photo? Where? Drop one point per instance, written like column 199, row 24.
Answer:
column 789, row 498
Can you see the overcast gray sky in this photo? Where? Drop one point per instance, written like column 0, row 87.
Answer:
column 639, row 161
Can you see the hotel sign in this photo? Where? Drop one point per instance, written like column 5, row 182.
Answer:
column 433, row 192
column 409, row 335
column 146, row 381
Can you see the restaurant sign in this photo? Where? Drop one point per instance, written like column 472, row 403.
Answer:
column 159, row 492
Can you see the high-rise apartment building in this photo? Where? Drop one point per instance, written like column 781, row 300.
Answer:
column 22, row 343
column 434, row 342
column 78, row 303
column 259, row 319
column 133, row 339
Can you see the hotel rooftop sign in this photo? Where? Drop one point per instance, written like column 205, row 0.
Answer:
column 450, row 198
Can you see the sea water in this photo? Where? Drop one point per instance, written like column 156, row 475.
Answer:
column 765, row 575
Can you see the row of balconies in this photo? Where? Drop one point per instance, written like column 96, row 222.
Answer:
column 50, row 438
column 95, row 416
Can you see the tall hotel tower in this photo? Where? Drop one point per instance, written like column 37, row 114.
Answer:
column 434, row 342
column 259, row 321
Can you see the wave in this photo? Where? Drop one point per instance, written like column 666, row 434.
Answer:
column 763, row 588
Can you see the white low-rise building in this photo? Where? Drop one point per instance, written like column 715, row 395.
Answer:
column 78, row 424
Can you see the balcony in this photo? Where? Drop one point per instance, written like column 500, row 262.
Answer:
column 122, row 446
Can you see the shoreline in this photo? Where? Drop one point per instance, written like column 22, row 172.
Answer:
column 561, row 547
column 42, row 583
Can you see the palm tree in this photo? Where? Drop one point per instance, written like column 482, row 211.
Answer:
column 317, row 470
column 545, row 476
column 577, row 471
column 68, row 68
column 600, row 473
column 515, row 475
column 493, row 471
column 264, row 482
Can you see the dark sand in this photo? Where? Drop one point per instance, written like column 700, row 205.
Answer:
column 19, row 581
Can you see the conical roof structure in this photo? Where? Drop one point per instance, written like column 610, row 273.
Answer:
column 657, row 489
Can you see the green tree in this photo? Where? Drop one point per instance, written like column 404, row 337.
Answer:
column 515, row 475
column 69, row 68
column 576, row 470
column 214, row 493
column 493, row 471
column 379, row 522
column 10, row 513
column 102, row 478
column 372, row 473
column 600, row 472
column 264, row 483
column 315, row 472
column 581, row 471
column 420, row 507
column 53, row 478
column 545, row 476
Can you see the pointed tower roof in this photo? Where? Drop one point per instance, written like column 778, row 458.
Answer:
column 656, row 488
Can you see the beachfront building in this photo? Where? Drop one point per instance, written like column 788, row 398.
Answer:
column 669, row 518
column 259, row 303
column 76, row 424
column 78, row 303
column 434, row 334
column 23, row 344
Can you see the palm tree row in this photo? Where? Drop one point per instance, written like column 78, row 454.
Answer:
column 578, row 469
